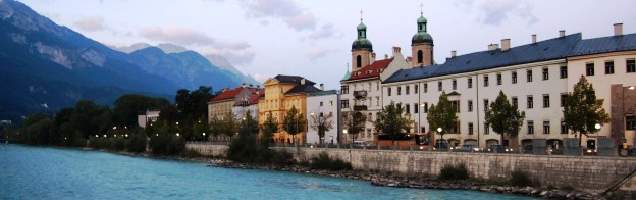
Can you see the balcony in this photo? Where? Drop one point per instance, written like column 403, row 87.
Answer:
column 359, row 107
column 360, row 94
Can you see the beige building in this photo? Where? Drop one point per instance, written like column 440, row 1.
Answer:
column 234, row 102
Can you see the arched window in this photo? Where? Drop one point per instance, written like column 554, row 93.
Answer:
column 359, row 61
column 420, row 56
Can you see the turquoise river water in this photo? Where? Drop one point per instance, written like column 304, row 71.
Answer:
column 54, row 173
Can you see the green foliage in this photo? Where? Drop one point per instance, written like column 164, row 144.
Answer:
column 520, row 178
column 354, row 121
column 227, row 126
column 246, row 148
column 452, row 173
column 136, row 142
column 37, row 130
column 321, row 124
column 443, row 115
column 582, row 110
column 294, row 122
column 392, row 120
column 323, row 161
column 503, row 117
column 269, row 127
column 165, row 141
column 127, row 107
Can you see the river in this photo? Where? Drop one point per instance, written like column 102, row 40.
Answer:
column 56, row 173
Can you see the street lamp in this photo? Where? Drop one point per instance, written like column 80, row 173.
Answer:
column 439, row 130
column 126, row 135
column 177, row 134
column 597, row 126
column 104, row 135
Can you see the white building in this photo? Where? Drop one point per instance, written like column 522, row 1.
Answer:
column 148, row 117
column 322, row 107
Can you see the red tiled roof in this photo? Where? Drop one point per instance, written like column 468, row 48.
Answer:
column 228, row 94
column 371, row 71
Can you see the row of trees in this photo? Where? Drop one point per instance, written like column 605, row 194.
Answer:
column 582, row 114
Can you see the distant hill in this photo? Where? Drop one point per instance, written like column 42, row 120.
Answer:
column 45, row 66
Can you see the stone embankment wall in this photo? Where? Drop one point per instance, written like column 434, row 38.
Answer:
column 208, row 149
column 589, row 173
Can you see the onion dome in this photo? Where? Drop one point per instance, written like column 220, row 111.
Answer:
column 421, row 36
column 362, row 43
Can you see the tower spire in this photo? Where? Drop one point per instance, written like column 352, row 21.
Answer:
column 422, row 9
column 361, row 18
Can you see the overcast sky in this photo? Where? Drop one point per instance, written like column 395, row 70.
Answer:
column 313, row 38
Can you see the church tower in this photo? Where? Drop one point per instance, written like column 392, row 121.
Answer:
column 422, row 44
column 361, row 50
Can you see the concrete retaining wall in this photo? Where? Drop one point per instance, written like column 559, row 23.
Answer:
column 208, row 149
column 589, row 173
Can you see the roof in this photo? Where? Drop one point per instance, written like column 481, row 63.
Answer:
column 322, row 93
column 252, row 98
column 227, row 94
column 605, row 45
column 540, row 51
column 292, row 79
column 372, row 70
column 306, row 88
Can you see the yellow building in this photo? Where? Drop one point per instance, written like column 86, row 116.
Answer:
column 281, row 94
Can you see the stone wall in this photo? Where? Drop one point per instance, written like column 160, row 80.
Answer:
column 589, row 173
column 207, row 149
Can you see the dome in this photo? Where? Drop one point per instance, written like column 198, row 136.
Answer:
column 422, row 37
column 362, row 43
column 421, row 19
column 362, row 26
column 346, row 76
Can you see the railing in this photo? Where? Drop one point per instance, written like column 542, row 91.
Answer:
column 360, row 94
column 359, row 107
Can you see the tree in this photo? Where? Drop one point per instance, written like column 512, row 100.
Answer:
column 321, row 124
column 127, row 107
column 355, row 123
column 294, row 122
column 443, row 115
column 200, row 130
column 225, row 126
column 392, row 121
column 503, row 117
column 269, row 127
column 582, row 111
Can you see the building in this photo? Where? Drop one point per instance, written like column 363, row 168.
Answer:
column 281, row 94
column 323, row 108
column 234, row 103
column 535, row 76
column 149, row 116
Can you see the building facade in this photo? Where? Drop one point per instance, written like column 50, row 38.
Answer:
column 235, row 103
column 323, row 111
column 149, row 116
column 281, row 93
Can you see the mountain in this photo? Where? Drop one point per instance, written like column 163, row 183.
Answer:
column 46, row 66
column 215, row 64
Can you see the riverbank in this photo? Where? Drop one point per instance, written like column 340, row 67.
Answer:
column 383, row 180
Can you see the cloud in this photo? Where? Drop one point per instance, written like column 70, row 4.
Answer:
column 495, row 12
column 90, row 24
column 315, row 54
column 288, row 11
column 189, row 37
column 241, row 58
column 326, row 31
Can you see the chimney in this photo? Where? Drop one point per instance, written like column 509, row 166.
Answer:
column 396, row 50
column 386, row 56
column 534, row 38
column 453, row 53
column 372, row 57
column 322, row 86
column 243, row 85
column 492, row 47
column 505, row 44
column 618, row 29
column 562, row 33
column 302, row 81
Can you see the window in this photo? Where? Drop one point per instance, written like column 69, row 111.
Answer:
column 498, row 79
column 564, row 98
column 530, row 127
column 454, row 84
column 416, row 89
column 589, row 69
column 425, row 87
column 545, row 73
column 358, row 61
column 408, row 90
column 377, row 86
column 399, row 90
column 514, row 77
column 546, row 101
column 485, row 104
column 470, row 82
column 408, row 108
column 420, row 56
column 546, row 127
column 486, row 129
column 530, row 102
column 470, row 128
column 455, row 105
column 485, row 80
column 321, row 104
column 529, row 75
column 609, row 67
column 377, row 101
column 515, row 102
column 370, row 117
column 470, row 106
column 439, row 86
column 630, row 65
column 425, row 105
column 564, row 128
column 630, row 122
column 564, row 72
column 344, row 103
column 388, row 91
column 344, row 89
column 416, row 109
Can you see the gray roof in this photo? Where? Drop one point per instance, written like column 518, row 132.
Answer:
column 605, row 45
column 292, row 79
column 556, row 48
column 306, row 88
column 323, row 93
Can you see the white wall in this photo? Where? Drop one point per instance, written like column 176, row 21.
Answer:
column 329, row 105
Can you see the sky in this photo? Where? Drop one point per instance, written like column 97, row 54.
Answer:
column 313, row 38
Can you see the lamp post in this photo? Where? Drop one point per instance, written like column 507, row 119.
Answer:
column 439, row 132
column 204, row 138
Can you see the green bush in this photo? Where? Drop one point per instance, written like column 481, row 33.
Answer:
column 450, row 172
column 323, row 161
column 136, row 143
column 520, row 178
